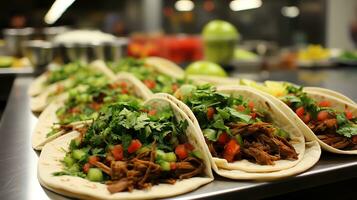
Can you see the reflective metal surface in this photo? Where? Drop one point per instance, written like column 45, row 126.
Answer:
column 14, row 39
column 18, row 162
column 39, row 52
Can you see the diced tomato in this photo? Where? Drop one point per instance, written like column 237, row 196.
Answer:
column 74, row 110
column 152, row 112
column 118, row 152
column 189, row 146
column 306, row 118
column 174, row 87
column 322, row 115
column 95, row 106
column 354, row 139
column 210, row 113
column 172, row 165
column 240, row 108
column 348, row 114
column 300, row 111
column 123, row 84
column 124, row 91
column 86, row 167
column 324, row 103
column 150, row 84
column 181, row 151
column 251, row 105
column 134, row 146
column 223, row 138
column 93, row 159
column 230, row 150
column 253, row 115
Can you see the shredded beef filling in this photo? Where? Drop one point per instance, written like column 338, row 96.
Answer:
column 141, row 172
column 326, row 132
column 260, row 144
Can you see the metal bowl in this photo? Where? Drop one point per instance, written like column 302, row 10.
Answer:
column 39, row 52
column 14, row 39
column 87, row 52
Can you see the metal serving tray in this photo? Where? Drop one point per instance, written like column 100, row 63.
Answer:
column 18, row 163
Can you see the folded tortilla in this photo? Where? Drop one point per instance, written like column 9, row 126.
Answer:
column 38, row 103
column 165, row 66
column 52, row 153
column 221, row 166
column 330, row 93
column 336, row 103
column 48, row 117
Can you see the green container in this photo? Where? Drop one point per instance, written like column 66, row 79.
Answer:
column 219, row 38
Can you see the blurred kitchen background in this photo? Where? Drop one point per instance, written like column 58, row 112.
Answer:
column 266, row 36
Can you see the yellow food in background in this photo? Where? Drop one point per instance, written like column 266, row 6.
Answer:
column 275, row 88
column 314, row 53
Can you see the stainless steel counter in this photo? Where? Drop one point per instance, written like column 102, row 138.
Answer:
column 18, row 162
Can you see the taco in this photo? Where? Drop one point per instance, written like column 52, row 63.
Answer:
column 243, row 130
column 328, row 119
column 56, row 74
column 278, row 88
column 85, row 75
column 128, row 152
column 79, row 105
column 158, row 74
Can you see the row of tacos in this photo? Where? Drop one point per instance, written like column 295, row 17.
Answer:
column 114, row 139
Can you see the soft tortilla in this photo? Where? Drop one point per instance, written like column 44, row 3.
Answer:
column 53, row 153
column 165, row 66
column 311, row 157
column 38, row 85
column 336, row 103
column 39, row 102
column 330, row 93
column 48, row 117
column 297, row 137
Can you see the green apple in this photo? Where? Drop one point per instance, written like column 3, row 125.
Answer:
column 205, row 68
column 219, row 39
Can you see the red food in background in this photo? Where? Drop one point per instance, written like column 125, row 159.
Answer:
column 178, row 48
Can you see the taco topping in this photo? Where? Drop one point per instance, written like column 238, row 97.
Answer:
column 155, row 81
column 128, row 149
column 234, row 128
column 64, row 72
column 335, row 128
column 85, row 103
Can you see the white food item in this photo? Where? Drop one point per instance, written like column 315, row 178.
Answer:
column 83, row 37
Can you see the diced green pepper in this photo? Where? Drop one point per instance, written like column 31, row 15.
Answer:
column 95, row 174
column 68, row 161
column 160, row 155
column 165, row 166
column 78, row 154
column 170, row 157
